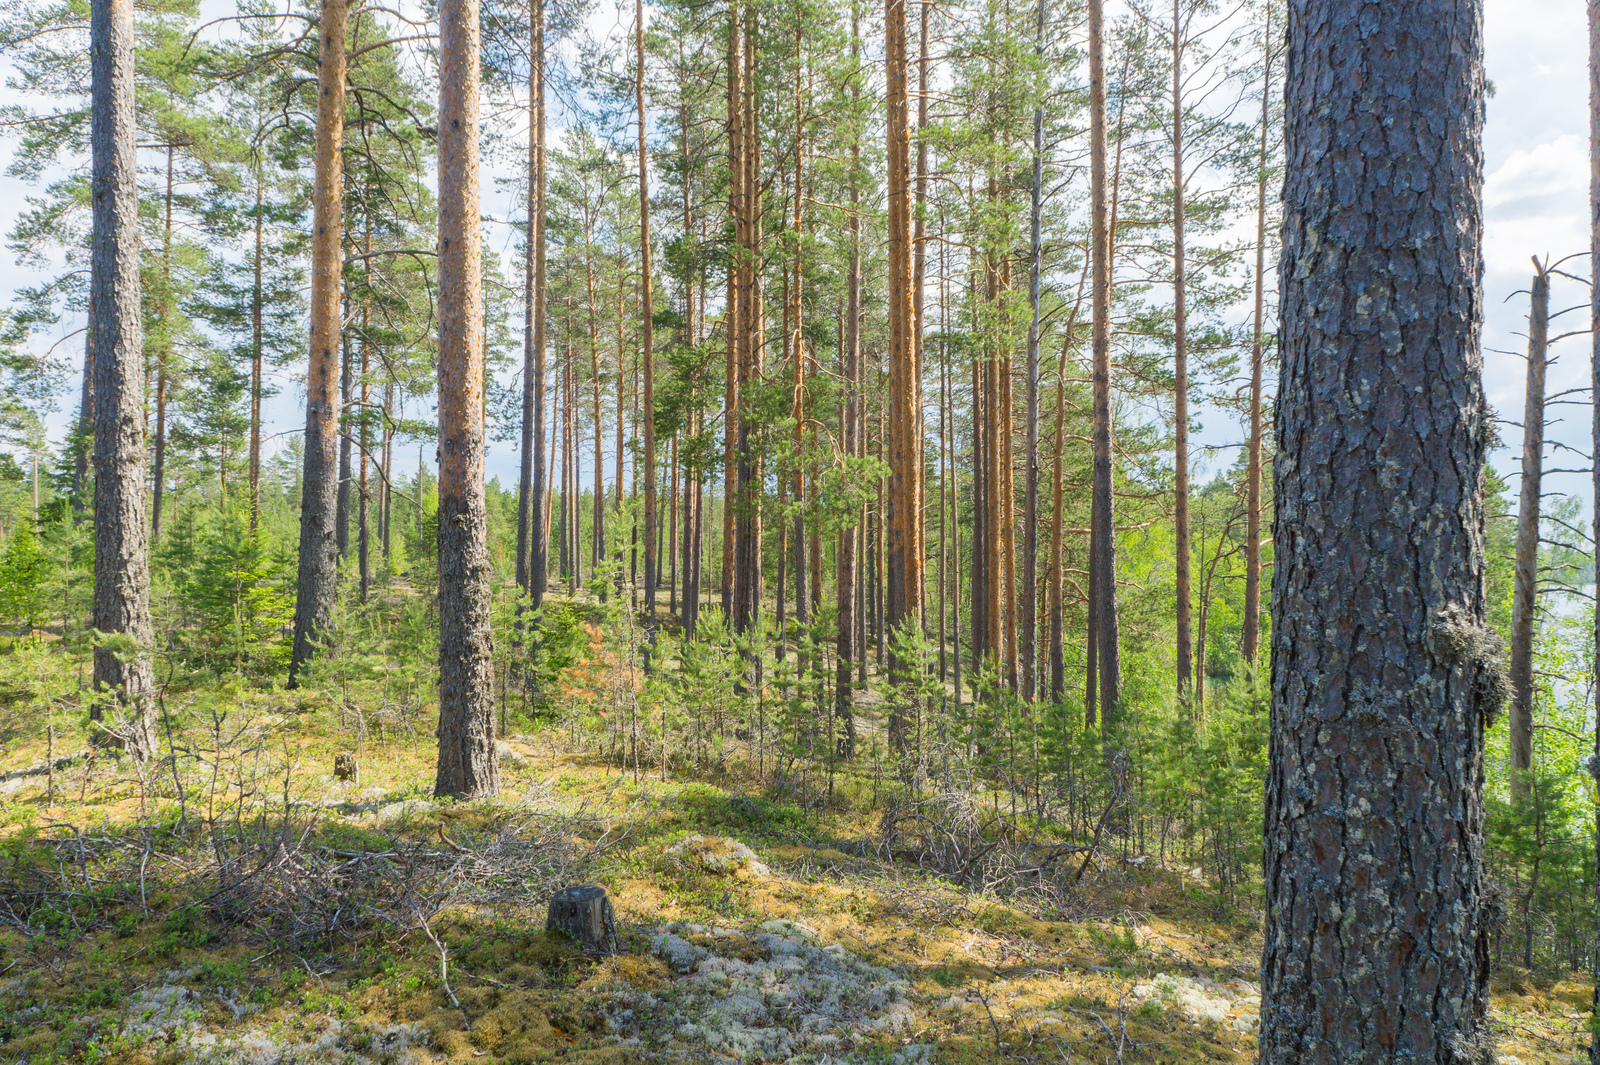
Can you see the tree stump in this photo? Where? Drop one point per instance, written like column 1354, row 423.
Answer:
column 345, row 767
column 584, row 913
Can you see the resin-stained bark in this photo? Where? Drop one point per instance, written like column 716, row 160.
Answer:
column 467, row 765
column 121, row 550
column 1382, row 670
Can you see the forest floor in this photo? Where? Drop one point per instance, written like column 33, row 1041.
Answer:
column 259, row 910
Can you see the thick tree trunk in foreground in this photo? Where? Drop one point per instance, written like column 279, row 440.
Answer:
column 1525, row 596
column 121, row 552
column 467, row 764
column 319, row 482
column 1382, row 670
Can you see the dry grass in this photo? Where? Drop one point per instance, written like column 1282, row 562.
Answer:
column 273, row 902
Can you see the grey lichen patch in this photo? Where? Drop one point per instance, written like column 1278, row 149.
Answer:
column 779, row 994
column 1477, row 1049
column 1463, row 637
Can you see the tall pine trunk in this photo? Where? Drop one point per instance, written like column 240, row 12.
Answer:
column 532, row 536
column 1383, row 672
column 468, row 767
column 1180, row 368
column 123, row 677
column 1103, row 547
column 1251, row 635
column 319, row 481
column 647, row 343
column 1030, row 457
column 848, row 650
column 903, row 418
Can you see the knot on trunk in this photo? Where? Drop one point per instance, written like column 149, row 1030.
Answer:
column 1466, row 641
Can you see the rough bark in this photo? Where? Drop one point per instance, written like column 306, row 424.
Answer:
column 584, row 913
column 122, row 667
column 467, row 766
column 1103, row 564
column 319, row 484
column 1525, row 594
column 903, row 561
column 1383, row 673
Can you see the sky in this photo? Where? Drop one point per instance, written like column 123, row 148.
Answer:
column 1535, row 203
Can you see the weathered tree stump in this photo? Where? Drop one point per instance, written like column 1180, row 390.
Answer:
column 584, row 913
column 345, row 767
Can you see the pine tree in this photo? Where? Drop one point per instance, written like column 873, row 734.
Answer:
column 122, row 667
column 1392, row 743
column 468, row 767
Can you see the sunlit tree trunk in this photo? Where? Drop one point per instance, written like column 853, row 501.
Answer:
column 647, row 340
column 733, row 315
column 319, row 482
column 1180, row 363
column 903, row 417
column 532, row 538
column 848, row 649
column 1251, row 635
column 122, row 667
column 1029, row 594
column 468, row 767
column 1103, row 564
